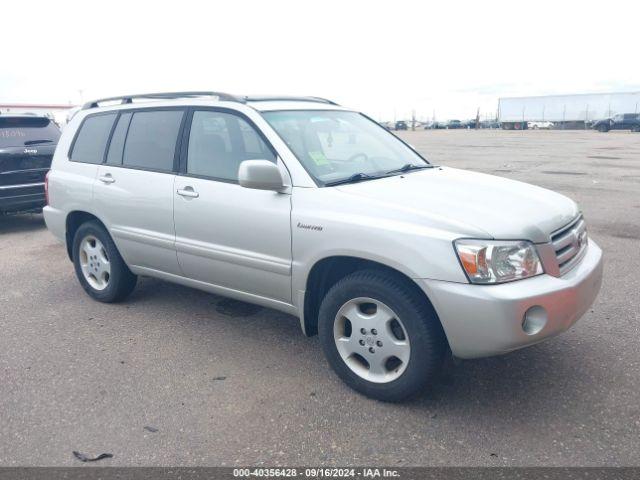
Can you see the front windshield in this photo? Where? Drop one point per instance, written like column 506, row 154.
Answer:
column 335, row 145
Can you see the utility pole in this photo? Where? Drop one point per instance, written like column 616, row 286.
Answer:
column 586, row 117
column 413, row 120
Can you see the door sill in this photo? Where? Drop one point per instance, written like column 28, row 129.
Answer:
column 217, row 289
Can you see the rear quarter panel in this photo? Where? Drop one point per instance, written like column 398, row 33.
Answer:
column 70, row 183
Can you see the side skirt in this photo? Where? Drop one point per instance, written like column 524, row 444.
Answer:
column 218, row 290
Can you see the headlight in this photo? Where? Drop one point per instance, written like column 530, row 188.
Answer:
column 488, row 261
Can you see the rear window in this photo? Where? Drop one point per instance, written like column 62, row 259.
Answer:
column 92, row 139
column 151, row 140
column 24, row 131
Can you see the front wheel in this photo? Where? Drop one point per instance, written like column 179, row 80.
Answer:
column 380, row 335
column 99, row 266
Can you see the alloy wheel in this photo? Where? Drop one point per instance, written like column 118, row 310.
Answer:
column 371, row 340
column 94, row 262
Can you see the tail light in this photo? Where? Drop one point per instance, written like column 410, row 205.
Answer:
column 46, row 188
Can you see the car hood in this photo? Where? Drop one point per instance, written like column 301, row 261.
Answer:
column 470, row 203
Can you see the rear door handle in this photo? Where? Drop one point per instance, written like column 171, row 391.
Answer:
column 107, row 178
column 187, row 192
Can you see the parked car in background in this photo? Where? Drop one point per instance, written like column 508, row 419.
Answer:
column 401, row 125
column 489, row 124
column 469, row 124
column 540, row 125
column 621, row 121
column 313, row 209
column 454, row 124
column 27, row 143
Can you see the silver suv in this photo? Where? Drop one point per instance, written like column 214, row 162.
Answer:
column 313, row 209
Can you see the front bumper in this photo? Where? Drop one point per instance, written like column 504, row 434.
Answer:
column 485, row 320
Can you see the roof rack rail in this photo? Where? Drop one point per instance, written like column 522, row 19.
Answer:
column 276, row 98
column 163, row 96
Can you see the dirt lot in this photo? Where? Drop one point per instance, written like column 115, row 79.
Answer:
column 226, row 383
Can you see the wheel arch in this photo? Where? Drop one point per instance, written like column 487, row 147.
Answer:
column 72, row 223
column 327, row 271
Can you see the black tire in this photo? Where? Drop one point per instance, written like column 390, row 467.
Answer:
column 425, row 334
column 121, row 281
column 603, row 128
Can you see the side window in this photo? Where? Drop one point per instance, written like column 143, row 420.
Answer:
column 116, row 147
column 92, row 139
column 151, row 141
column 219, row 142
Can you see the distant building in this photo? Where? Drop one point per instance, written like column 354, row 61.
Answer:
column 565, row 111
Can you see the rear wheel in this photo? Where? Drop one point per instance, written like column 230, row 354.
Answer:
column 380, row 335
column 99, row 266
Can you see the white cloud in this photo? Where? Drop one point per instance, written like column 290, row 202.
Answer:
column 381, row 57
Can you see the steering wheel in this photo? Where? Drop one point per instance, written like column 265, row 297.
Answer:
column 357, row 155
column 366, row 158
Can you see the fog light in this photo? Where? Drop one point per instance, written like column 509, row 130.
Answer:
column 535, row 318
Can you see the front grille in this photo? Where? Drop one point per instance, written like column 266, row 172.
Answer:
column 570, row 243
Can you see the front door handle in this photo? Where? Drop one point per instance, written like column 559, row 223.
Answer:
column 107, row 178
column 187, row 192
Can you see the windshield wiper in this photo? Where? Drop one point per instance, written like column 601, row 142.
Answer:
column 35, row 142
column 356, row 177
column 408, row 167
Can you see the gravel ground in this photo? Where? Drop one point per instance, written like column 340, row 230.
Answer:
column 225, row 383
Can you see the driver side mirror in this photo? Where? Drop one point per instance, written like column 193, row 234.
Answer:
column 260, row 175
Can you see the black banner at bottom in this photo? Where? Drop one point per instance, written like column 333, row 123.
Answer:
column 404, row 473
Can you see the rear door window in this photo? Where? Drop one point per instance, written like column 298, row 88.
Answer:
column 92, row 139
column 151, row 140
column 25, row 131
column 116, row 146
